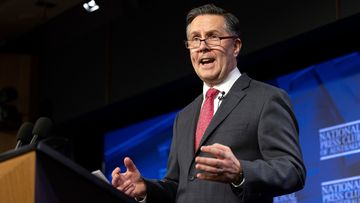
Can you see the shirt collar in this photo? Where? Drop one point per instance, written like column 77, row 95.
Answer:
column 225, row 85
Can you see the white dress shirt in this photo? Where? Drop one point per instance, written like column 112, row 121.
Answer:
column 223, row 87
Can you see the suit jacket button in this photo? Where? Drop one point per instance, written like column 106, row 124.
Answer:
column 192, row 178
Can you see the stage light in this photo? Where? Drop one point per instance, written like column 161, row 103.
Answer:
column 91, row 6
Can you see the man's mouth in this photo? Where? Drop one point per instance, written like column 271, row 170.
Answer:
column 204, row 61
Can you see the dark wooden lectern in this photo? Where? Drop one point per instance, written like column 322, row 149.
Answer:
column 40, row 174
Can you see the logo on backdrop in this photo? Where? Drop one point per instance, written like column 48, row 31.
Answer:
column 339, row 140
column 290, row 198
column 341, row 191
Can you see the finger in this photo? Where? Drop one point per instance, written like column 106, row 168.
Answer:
column 129, row 164
column 214, row 165
column 228, row 160
column 115, row 171
column 118, row 180
column 130, row 190
column 126, row 185
column 209, row 176
column 115, row 179
column 209, row 169
column 221, row 147
column 209, row 161
column 209, row 165
column 216, row 152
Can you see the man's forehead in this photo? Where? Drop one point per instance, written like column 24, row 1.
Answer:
column 206, row 23
column 207, row 19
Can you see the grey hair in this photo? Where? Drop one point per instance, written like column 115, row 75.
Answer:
column 232, row 24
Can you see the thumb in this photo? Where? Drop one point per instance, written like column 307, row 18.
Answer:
column 129, row 164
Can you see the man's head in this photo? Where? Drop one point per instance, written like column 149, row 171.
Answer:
column 214, row 58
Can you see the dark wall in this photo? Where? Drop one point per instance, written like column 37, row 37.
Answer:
column 88, row 60
column 95, row 66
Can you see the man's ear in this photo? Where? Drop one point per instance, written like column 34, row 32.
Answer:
column 237, row 46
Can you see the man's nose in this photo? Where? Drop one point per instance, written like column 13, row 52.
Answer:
column 203, row 45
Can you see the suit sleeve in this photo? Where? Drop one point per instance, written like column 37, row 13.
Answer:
column 281, row 169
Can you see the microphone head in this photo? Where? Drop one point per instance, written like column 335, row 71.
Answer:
column 24, row 134
column 221, row 97
column 42, row 127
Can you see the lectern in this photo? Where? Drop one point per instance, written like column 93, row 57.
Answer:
column 40, row 174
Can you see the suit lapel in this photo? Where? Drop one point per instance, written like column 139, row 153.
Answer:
column 231, row 100
column 190, row 142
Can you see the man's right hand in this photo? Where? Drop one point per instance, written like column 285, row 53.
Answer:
column 130, row 182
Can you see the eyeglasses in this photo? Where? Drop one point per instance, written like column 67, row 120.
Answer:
column 210, row 41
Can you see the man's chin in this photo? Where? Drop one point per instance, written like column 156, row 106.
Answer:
column 210, row 80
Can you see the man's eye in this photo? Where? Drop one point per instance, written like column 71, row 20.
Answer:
column 196, row 39
column 213, row 37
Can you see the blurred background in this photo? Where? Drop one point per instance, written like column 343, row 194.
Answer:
column 92, row 70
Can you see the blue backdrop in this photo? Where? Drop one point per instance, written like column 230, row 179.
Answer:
column 326, row 100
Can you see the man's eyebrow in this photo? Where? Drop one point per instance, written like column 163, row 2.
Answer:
column 195, row 33
column 213, row 31
column 210, row 32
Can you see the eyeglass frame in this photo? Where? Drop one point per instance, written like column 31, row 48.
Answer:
column 204, row 40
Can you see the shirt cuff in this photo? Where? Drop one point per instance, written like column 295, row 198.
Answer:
column 241, row 182
column 142, row 200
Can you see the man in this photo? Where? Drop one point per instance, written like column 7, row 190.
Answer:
column 249, row 152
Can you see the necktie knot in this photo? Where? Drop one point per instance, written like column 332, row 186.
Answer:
column 211, row 93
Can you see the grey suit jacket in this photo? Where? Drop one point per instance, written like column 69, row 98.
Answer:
column 257, row 122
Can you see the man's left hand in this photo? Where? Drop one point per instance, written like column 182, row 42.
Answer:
column 224, row 167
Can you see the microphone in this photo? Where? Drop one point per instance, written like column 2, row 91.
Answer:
column 24, row 134
column 221, row 97
column 41, row 129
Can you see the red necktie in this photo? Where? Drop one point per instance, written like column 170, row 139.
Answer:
column 206, row 114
